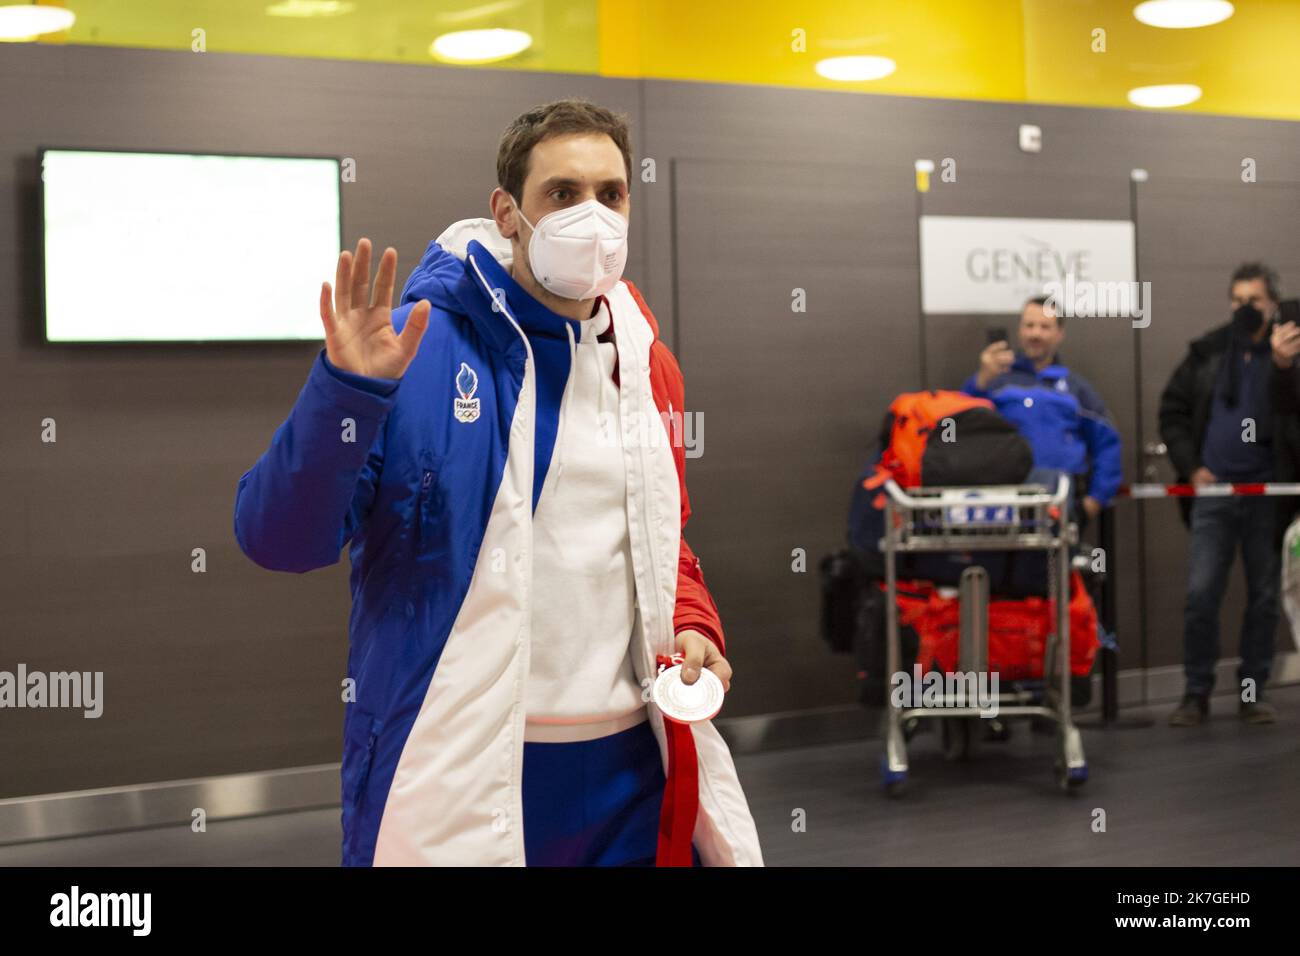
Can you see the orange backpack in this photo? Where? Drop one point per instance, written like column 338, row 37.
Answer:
column 912, row 417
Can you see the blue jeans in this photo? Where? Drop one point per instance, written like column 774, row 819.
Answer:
column 595, row 802
column 1218, row 526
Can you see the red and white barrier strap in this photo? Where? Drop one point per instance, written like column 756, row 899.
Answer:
column 1251, row 489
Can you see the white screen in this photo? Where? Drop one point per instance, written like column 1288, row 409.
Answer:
column 178, row 247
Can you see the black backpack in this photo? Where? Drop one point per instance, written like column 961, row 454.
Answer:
column 853, row 621
column 844, row 580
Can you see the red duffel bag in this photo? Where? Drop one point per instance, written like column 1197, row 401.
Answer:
column 1018, row 630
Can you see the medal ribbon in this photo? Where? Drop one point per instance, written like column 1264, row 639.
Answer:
column 681, row 802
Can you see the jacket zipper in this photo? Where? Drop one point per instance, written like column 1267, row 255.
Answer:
column 643, row 386
column 517, row 763
column 422, row 511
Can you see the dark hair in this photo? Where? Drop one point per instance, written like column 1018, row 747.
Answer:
column 558, row 118
column 1042, row 300
column 1256, row 270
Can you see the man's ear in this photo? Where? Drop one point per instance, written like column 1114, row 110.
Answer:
column 502, row 207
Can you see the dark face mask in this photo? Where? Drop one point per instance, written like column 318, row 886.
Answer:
column 1247, row 320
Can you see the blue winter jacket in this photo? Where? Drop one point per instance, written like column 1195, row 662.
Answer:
column 1064, row 420
column 432, row 481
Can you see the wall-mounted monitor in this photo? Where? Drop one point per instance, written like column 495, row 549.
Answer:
column 186, row 247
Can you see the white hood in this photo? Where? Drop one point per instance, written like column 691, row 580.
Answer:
column 455, row 239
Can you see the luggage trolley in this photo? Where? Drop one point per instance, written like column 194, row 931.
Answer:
column 1004, row 518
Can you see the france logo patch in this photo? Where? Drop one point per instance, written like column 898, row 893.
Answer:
column 466, row 406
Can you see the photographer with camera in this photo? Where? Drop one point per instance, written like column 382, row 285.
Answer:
column 1217, row 418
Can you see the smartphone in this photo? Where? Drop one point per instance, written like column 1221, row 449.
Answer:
column 996, row 335
column 1288, row 311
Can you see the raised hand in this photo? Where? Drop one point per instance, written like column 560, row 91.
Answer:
column 359, row 335
column 995, row 360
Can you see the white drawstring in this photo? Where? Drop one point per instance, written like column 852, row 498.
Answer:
column 568, row 385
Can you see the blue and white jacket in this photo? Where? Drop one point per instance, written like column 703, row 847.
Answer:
column 435, row 492
column 1063, row 419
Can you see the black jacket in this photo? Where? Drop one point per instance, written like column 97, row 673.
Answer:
column 1185, row 411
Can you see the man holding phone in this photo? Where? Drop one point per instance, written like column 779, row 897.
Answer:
column 1217, row 418
column 1070, row 428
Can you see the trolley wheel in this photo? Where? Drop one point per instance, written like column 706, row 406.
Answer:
column 894, row 781
column 1070, row 778
column 956, row 737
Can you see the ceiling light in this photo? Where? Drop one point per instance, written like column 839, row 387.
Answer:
column 310, row 8
column 1164, row 97
column 855, row 68
column 28, row 21
column 480, row 46
column 1182, row 14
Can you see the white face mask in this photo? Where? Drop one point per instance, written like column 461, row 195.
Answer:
column 578, row 252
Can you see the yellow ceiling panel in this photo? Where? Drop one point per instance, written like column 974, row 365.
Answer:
column 963, row 48
column 1043, row 51
column 1245, row 65
column 396, row 31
